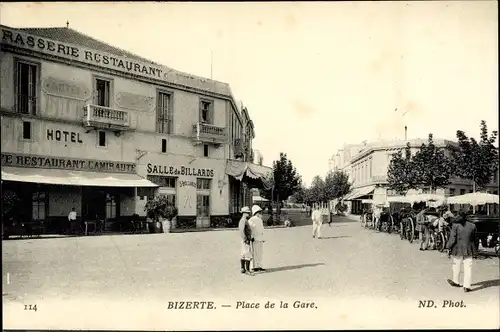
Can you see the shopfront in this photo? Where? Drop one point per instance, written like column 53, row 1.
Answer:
column 48, row 188
column 198, row 187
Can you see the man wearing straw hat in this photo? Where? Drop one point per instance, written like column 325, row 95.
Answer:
column 257, row 228
column 246, row 241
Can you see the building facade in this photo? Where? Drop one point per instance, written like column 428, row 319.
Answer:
column 368, row 169
column 90, row 126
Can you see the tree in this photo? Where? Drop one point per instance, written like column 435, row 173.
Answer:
column 302, row 195
column 401, row 175
column 337, row 185
column 475, row 161
column 432, row 167
column 317, row 190
column 286, row 182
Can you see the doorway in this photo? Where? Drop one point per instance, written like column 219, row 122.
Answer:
column 93, row 203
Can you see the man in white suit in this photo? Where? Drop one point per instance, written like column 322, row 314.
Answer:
column 317, row 219
column 257, row 228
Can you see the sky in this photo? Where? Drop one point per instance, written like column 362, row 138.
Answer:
column 314, row 76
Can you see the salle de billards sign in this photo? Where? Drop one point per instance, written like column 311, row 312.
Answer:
column 183, row 170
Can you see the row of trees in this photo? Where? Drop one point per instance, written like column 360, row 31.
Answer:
column 288, row 184
column 335, row 186
column 432, row 167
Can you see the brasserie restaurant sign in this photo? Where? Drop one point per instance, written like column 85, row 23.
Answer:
column 36, row 161
column 77, row 53
column 176, row 171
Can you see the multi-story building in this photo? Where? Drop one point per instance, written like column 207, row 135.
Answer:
column 91, row 126
column 368, row 173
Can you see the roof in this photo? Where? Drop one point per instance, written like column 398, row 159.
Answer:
column 71, row 36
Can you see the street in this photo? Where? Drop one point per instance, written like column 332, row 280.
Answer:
column 357, row 278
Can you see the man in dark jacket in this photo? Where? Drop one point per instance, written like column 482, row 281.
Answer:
column 462, row 246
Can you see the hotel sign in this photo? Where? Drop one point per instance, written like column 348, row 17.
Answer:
column 36, row 161
column 76, row 53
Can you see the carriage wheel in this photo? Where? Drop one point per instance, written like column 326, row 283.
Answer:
column 410, row 230
column 498, row 251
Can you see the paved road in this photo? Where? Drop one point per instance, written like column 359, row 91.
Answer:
column 357, row 278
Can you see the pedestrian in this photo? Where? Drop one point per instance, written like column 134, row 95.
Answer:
column 246, row 241
column 257, row 229
column 462, row 247
column 317, row 219
column 71, row 219
column 377, row 212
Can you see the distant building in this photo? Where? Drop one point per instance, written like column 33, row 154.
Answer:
column 367, row 167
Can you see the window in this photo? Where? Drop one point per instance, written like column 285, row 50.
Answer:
column 163, row 181
column 203, row 184
column 145, row 192
column 102, row 92
column 39, row 200
column 163, row 145
column 164, row 113
column 205, row 111
column 101, row 137
column 205, row 150
column 462, row 191
column 110, row 207
column 452, row 191
column 26, row 86
column 26, row 130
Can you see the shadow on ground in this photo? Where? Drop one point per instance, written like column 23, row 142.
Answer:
column 332, row 237
column 486, row 284
column 292, row 267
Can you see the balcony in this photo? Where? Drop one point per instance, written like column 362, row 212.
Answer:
column 101, row 117
column 207, row 133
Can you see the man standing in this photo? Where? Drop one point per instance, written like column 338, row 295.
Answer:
column 317, row 219
column 71, row 219
column 257, row 228
column 463, row 247
column 246, row 238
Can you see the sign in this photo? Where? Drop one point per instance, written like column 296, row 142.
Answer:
column 61, row 88
column 63, row 136
column 187, row 183
column 183, row 170
column 36, row 161
column 135, row 102
column 23, row 40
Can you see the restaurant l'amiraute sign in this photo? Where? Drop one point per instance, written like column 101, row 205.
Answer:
column 77, row 53
column 74, row 164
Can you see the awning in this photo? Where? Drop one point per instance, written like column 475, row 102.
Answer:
column 242, row 171
column 73, row 178
column 348, row 196
column 362, row 192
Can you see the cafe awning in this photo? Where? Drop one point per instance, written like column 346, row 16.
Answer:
column 74, row 178
column 360, row 192
column 248, row 172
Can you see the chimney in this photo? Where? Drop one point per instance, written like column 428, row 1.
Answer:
column 406, row 133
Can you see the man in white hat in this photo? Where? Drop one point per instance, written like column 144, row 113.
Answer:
column 257, row 228
column 246, row 238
